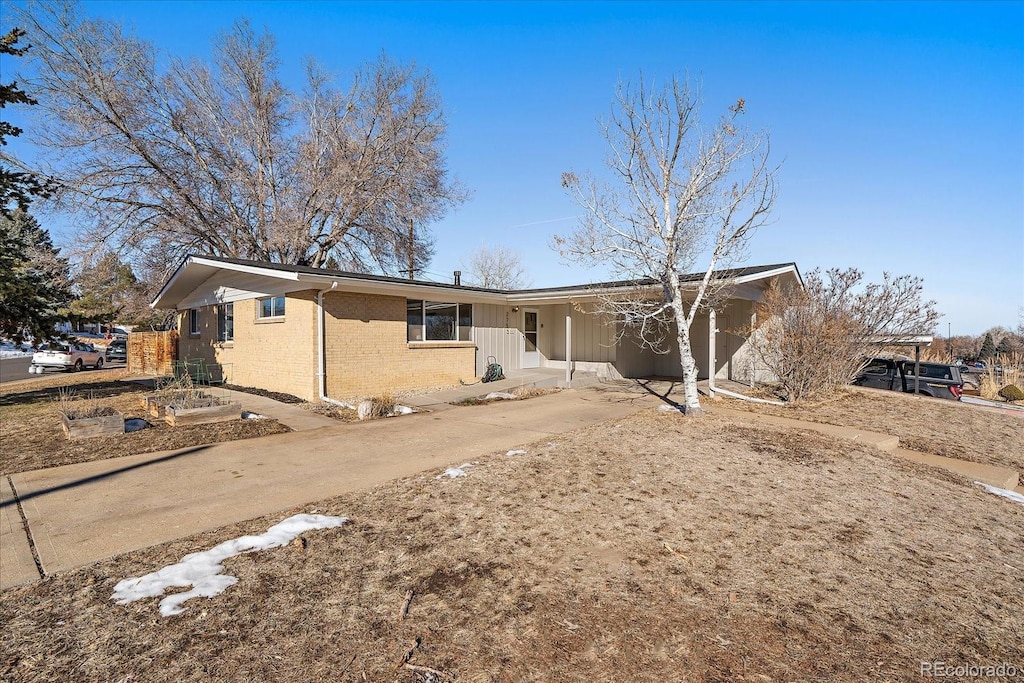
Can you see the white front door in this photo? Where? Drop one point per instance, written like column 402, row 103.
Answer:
column 531, row 356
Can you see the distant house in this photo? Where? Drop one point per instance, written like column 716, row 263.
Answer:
column 318, row 333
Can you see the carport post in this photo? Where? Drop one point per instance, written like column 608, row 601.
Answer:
column 711, row 352
column 917, row 369
column 568, row 349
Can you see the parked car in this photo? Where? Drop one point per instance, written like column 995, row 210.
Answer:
column 936, row 379
column 59, row 355
column 117, row 350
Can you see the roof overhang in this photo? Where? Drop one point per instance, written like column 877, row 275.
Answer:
column 750, row 286
column 200, row 281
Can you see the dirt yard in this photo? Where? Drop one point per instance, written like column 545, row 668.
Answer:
column 929, row 425
column 652, row 548
column 33, row 438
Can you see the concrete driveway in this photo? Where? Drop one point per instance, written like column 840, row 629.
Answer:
column 78, row 514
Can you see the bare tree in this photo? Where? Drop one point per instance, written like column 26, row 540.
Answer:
column 681, row 195
column 223, row 159
column 496, row 268
column 817, row 337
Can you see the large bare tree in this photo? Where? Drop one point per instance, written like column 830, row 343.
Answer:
column 167, row 156
column 497, row 267
column 681, row 197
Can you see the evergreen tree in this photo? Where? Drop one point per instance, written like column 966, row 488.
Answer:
column 988, row 347
column 16, row 187
column 1006, row 345
column 33, row 280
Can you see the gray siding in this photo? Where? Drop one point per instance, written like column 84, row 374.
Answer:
column 496, row 333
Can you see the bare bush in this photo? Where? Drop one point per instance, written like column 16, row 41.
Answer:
column 818, row 337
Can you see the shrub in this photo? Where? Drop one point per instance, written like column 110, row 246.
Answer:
column 1012, row 393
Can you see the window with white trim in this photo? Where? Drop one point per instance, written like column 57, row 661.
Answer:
column 438, row 321
column 193, row 321
column 270, row 307
column 226, row 322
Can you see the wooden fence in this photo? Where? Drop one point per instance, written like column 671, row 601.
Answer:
column 152, row 353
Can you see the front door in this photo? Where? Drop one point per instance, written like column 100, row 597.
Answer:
column 531, row 356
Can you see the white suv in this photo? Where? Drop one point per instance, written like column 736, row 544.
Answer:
column 74, row 356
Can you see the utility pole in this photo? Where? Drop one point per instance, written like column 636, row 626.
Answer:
column 949, row 340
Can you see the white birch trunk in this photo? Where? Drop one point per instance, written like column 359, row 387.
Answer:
column 691, row 399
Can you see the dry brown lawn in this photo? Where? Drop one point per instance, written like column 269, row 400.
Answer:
column 928, row 425
column 652, row 548
column 33, row 438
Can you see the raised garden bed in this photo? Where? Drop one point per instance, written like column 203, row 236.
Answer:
column 111, row 422
column 202, row 411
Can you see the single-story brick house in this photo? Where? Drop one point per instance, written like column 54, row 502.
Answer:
column 318, row 333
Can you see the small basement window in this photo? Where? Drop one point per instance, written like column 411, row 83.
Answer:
column 270, row 307
column 438, row 321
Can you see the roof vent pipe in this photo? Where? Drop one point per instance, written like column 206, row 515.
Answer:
column 458, row 278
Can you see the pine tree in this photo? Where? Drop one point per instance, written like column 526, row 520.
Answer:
column 33, row 280
column 988, row 347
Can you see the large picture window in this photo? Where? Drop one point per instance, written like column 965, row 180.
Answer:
column 439, row 321
column 226, row 322
column 270, row 307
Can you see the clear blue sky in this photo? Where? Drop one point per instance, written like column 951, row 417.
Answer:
column 900, row 125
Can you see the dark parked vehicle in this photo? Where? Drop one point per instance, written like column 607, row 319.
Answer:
column 936, row 379
column 117, row 350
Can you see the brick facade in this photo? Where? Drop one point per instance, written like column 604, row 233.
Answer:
column 368, row 352
column 366, row 348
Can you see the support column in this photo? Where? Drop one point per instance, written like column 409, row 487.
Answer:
column 568, row 349
column 711, row 352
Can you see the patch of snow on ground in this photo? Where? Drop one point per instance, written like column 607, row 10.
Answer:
column 516, row 452
column 455, row 472
column 404, row 410
column 134, row 424
column 1005, row 493
column 246, row 415
column 665, row 408
column 203, row 570
column 500, row 396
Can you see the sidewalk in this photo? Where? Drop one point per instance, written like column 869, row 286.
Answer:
column 82, row 513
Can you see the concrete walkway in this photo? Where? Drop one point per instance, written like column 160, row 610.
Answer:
column 1000, row 477
column 79, row 514
column 541, row 378
column 82, row 513
column 299, row 419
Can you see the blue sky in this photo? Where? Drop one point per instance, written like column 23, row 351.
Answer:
column 900, row 126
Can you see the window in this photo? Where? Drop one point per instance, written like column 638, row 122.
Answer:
column 226, row 322
column 271, row 307
column 193, row 321
column 877, row 367
column 438, row 321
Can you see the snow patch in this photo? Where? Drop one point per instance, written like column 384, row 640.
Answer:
column 516, row 452
column 246, row 415
column 500, row 396
column 664, row 408
column 203, row 570
column 1005, row 493
column 455, row 472
column 404, row 410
